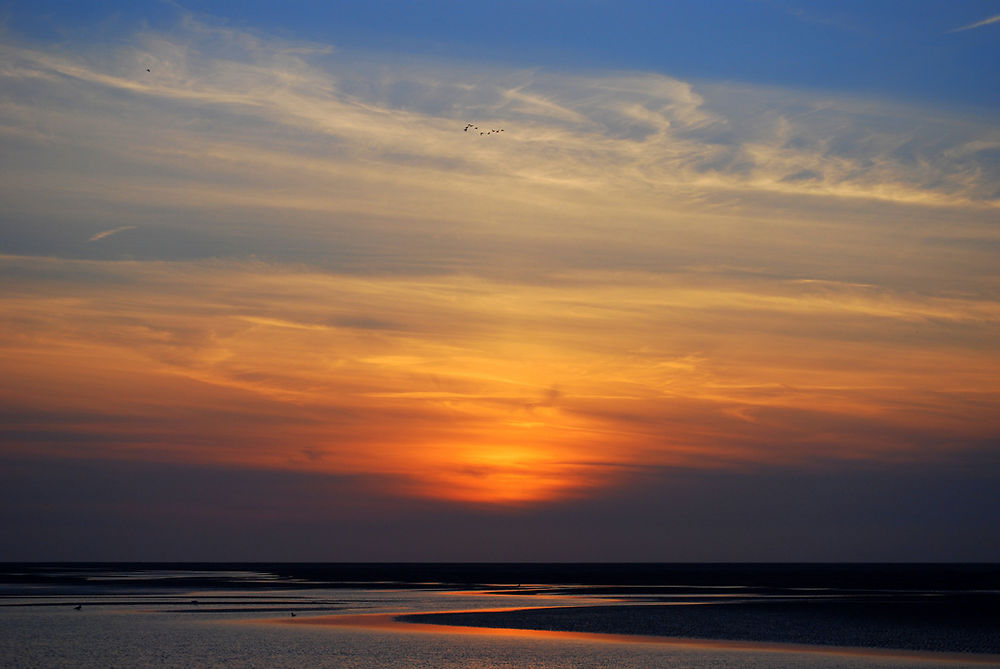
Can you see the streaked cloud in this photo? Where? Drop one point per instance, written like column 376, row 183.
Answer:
column 978, row 24
column 107, row 233
column 354, row 126
column 333, row 277
column 457, row 401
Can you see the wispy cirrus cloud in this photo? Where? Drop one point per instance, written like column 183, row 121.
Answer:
column 978, row 24
column 348, row 127
column 706, row 272
column 455, row 400
column 107, row 233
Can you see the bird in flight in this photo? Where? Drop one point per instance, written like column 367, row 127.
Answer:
column 481, row 132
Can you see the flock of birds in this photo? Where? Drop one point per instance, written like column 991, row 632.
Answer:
column 481, row 132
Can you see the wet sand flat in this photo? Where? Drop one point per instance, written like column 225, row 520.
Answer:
column 942, row 625
column 470, row 622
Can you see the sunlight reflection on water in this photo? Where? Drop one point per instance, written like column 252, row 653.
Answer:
column 224, row 629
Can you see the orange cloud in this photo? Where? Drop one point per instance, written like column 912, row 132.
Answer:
column 642, row 272
column 459, row 388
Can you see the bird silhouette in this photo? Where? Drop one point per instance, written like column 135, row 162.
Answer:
column 78, row 607
column 491, row 131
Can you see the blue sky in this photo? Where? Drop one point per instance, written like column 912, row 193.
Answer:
column 909, row 50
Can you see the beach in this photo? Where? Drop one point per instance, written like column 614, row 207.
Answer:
column 353, row 616
column 946, row 624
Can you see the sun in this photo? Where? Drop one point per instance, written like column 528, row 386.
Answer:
column 522, row 465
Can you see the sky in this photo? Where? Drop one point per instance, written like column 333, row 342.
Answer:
column 533, row 281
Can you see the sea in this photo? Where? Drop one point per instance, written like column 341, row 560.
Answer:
column 492, row 616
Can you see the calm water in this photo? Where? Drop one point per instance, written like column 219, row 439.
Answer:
column 120, row 625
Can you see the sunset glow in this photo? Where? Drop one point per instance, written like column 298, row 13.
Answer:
column 284, row 255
